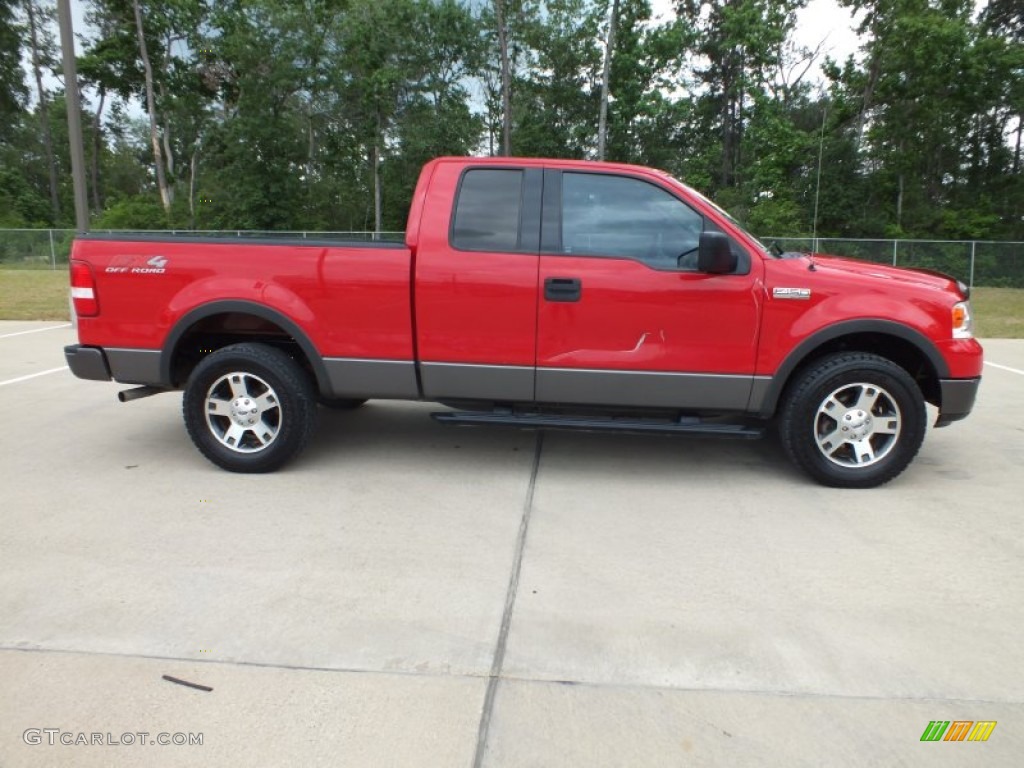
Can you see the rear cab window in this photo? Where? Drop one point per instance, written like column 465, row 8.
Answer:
column 488, row 211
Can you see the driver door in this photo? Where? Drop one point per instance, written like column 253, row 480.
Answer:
column 625, row 318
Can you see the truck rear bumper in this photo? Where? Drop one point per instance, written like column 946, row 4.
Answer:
column 87, row 362
column 957, row 399
column 128, row 366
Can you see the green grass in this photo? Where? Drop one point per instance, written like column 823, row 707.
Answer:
column 33, row 294
column 36, row 294
column 998, row 313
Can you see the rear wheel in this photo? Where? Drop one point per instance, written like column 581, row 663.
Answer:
column 249, row 408
column 853, row 420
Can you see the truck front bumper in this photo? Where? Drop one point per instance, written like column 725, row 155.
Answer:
column 957, row 399
column 87, row 362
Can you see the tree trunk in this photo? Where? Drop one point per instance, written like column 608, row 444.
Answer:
column 728, row 121
column 506, row 80
column 738, row 130
column 1016, row 152
column 899, row 203
column 193, row 166
column 311, row 142
column 377, row 196
column 602, row 123
column 44, row 117
column 97, row 145
column 168, row 154
column 869, row 91
column 154, row 133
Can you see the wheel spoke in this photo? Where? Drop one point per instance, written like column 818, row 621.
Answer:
column 264, row 432
column 886, row 425
column 218, row 407
column 831, row 442
column 868, row 398
column 266, row 402
column 863, row 451
column 234, row 435
column 832, row 408
column 239, row 387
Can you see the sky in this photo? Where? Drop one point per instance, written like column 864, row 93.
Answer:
column 825, row 20
column 819, row 20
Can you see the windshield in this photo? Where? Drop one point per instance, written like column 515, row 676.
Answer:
column 725, row 213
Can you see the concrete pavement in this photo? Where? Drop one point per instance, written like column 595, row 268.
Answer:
column 612, row 600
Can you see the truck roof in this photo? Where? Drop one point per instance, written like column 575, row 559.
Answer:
column 536, row 162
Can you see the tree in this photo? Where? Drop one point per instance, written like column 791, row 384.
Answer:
column 12, row 82
column 434, row 117
column 40, row 55
column 934, row 99
column 506, row 77
column 166, row 195
column 110, row 67
column 558, row 80
column 317, row 114
column 740, row 42
column 379, row 72
column 609, row 47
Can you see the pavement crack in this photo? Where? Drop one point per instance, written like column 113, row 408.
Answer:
column 506, row 617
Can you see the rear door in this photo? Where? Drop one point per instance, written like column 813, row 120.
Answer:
column 625, row 319
column 476, row 283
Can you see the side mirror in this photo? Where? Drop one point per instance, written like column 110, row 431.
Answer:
column 714, row 254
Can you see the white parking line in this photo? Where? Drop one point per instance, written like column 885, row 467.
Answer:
column 32, row 376
column 35, row 330
column 1005, row 368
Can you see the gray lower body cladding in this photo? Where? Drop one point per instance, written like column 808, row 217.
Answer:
column 128, row 366
column 400, row 380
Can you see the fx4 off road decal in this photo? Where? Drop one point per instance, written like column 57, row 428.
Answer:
column 137, row 265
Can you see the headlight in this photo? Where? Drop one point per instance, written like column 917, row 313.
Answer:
column 962, row 320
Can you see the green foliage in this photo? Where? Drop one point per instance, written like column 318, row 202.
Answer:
column 318, row 114
column 141, row 212
column 12, row 81
column 20, row 204
column 555, row 103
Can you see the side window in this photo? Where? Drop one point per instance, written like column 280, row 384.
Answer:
column 488, row 210
column 628, row 218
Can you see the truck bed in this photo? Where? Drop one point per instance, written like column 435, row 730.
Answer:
column 358, row 292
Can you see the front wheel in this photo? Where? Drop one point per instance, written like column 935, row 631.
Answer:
column 853, row 420
column 249, row 408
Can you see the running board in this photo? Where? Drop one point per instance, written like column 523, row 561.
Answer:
column 685, row 426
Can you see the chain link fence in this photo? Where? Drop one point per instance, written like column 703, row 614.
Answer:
column 975, row 262
column 35, row 248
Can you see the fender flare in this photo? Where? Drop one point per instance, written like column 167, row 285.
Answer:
column 190, row 318
column 770, row 398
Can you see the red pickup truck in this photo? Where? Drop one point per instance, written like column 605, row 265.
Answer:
column 534, row 293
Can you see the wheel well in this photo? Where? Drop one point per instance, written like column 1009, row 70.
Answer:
column 223, row 329
column 902, row 352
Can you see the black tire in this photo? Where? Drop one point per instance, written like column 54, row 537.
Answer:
column 852, row 420
column 341, row 403
column 249, row 408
